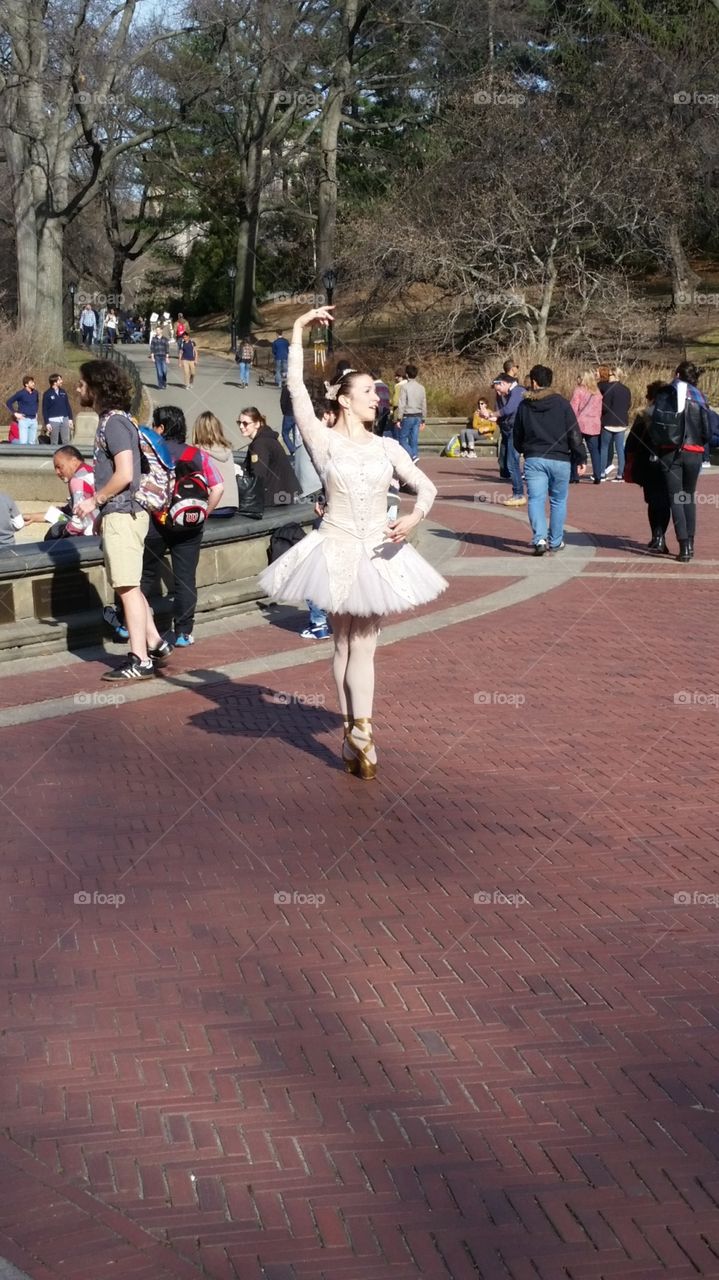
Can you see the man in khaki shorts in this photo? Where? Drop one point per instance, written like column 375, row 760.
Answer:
column 106, row 389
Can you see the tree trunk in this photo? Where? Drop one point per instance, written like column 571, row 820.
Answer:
column 548, row 288
column 684, row 278
column 327, row 187
column 49, row 326
column 119, row 259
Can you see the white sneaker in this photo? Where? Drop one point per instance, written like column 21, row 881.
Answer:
column 706, row 466
column 612, row 467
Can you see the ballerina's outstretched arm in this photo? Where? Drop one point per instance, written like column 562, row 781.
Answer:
column 315, row 435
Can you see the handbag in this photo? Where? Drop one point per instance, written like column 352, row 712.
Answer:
column 251, row 496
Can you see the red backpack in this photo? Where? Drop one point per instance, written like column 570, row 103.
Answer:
column 190, row 495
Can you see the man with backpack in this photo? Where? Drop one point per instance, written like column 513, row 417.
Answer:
column 679, row 430
column 197, row 491
column 123, row 500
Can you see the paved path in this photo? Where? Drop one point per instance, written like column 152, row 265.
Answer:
column 216, row 388
column 459, row 1023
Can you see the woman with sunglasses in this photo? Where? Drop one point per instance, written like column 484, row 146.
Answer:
column 267, row 459
column 357, row 566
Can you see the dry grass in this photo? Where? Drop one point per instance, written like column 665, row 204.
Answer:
column 20, row 355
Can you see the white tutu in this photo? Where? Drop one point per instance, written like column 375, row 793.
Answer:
column 342, row 574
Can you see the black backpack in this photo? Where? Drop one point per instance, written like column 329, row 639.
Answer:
column 666, row 425
column 282, row 539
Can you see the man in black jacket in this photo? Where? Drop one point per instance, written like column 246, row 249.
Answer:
column 547, row 433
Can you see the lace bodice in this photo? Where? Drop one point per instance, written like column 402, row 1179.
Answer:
column 355, row 475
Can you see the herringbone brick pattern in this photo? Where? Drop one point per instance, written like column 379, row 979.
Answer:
column 479, row 1040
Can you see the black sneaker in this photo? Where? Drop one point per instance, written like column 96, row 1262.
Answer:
column 132, row 669
column 540, row 547
column 559, row 547
column 160, row 655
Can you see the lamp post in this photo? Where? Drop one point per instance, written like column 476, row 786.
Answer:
column 329, row 280
column 73, row 289
column 232, row 277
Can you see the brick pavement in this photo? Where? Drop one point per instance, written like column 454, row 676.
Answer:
column 490, row 1051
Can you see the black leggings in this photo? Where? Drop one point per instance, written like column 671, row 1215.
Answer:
column 656, row 496
column 184, row 552
column 682, row 470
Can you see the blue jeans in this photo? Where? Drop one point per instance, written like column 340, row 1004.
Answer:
column 595, row 453
column 318, row 617
column 609, row 441
column 280, row 371
column 161, row 371
column 289, row 433
column 245, row 372
column 27, row 427
column 514, row 465
column 409, row 434
column 547, row 477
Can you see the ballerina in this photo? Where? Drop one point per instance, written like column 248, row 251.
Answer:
column 358, row 567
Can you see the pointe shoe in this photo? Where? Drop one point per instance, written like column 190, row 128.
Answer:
column 367, row 767
column 349, row 755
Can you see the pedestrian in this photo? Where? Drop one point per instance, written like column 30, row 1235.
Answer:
column 509, row 397
column 280, row 350
column 616, row 400
column 182, row 545
column 244, row 358
column 399, row 380
column 510, row 375
column 412, row 411
column 266, row 459
column 681, row 459
column 643, row 467
column 310, row 485
column 70, row 467
column 23, row 405
column 587, row 404
column 546, row 431
column 88, row 325
column 188, row 359
column 208, row 434
column 159, row 352
column 56, row 411
column 11, row 520
column 383, row 424
column 357, row 566
column 167, row 329
column 106, row 388
column 111, row 326
column 318, row 339
column 289, row 434
column 182, row 330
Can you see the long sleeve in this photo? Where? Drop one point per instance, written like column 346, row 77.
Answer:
column 402, row 401
column 424, row 405
column 315, row 435
column 518, row 430
column 407, row 473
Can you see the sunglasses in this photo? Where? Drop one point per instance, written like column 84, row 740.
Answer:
column 245, row 422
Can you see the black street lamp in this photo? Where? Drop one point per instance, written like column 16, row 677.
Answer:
column 329, row 280
column 73, row 289
column 232, row 277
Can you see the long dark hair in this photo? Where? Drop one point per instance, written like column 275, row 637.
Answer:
column 688, row 372
column 108, row 385
column 256, row 416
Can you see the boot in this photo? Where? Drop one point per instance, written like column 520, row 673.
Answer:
column 690, row 548
column 685, row 554
column 658, row 543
